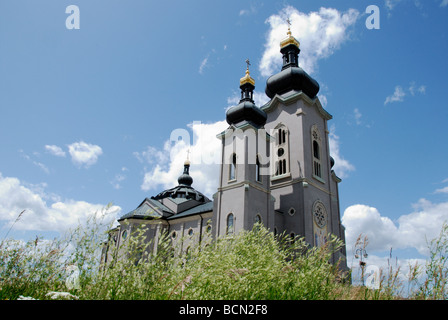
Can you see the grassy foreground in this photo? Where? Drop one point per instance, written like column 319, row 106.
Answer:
column 251, row 265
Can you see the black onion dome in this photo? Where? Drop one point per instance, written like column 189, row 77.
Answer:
column 185, row 179
column 246, row 110
column 292, row 77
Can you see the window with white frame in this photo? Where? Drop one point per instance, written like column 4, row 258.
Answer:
column 232, row 167
column 229, row 229
column 281, row 150
column 317, row 156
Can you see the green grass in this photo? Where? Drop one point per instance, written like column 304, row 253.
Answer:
column 252, row 265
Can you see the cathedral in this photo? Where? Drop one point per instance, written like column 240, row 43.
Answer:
column 275, row 170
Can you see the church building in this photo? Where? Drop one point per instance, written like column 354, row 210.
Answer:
column 275, row 170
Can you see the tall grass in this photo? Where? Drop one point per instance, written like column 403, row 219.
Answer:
column 251, row 265
column 38, row 266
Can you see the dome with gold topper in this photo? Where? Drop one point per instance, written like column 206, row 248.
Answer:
column 246, row 110
column 291, row 77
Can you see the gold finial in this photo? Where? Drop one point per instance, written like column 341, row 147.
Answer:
column 289, row 39
column 247, row 78
column 187, row 162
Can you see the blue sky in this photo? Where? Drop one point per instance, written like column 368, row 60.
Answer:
column 86, row 114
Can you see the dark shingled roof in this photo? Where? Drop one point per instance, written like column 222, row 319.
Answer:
column 202, row 208
column 153, row 208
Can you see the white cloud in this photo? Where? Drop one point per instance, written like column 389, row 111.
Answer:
column 152, row 155
column 410, row 231
column 203, row 65
column 323, row 100
column 341, row 166
column 361, row 219
column 422, row 89
column 442, row 190
column 84, row 154
column 413, row 89
column 444, row 3
column 390, row 4
column 399, row 93
column 119, row 177
column 260, row 99
column 15, row 197
column 250, row 11
column 55, row 150
column 205, row 152
column 320, row 34
column 38, row 164
column 357, row 116
column 397, row 96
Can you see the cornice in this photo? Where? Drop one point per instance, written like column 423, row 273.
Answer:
column 290, row 99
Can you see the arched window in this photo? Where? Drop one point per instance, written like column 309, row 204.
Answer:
column 317, row 167
column 281, row 151
column 232, row 167
column 230, row 224
column 316, row 150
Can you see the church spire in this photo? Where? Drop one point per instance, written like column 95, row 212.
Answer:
column 185, row 178
column 291, row 77
column 289, row 47
column 247, row 85
column 246, row 110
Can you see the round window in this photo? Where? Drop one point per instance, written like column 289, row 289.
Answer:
column 124, row 235
column 190, row 232
column 280, row 152
column 320, row 214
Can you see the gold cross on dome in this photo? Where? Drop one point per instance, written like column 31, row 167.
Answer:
column 248, row 63
column 288, row 22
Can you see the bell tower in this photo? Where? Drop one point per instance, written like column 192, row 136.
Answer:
column 243, row 197
column 303, row 183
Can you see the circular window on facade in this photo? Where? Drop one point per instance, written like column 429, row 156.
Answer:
column 124, row 234
column 292, row 211
column 190, row 232
column 173, row 235
column 208, row 229
column 280, row 152
column 320, row 214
